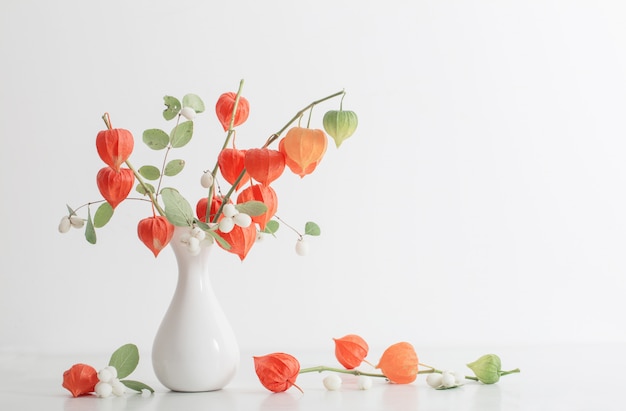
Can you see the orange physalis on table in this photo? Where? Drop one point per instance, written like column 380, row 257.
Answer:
column 399, row 363
column 350, row 350
column 277, row 372
column 80, row 379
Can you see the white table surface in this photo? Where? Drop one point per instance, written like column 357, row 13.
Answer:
column 571, row 377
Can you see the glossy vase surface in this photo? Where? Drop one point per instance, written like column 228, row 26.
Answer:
column 195, row 348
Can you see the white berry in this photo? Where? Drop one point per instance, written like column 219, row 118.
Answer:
column 459, row 377
column 188, row 113
column 76, row 221
column 364, row 382
column 226, row 225
column 332, row 382
column 229, row 210
column 107, row 374
column 448, row 379
column 206, row 180
column 65, row 225
column 103, row 389
column 118, row 387
column 302, row 247
column 198, row 233
column 434, row 380
column 242, row 220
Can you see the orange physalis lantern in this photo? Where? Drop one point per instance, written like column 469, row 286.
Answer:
column 224, row 109
column 240, row 239
column 114, row 146
column 303, row 149
column 155, row 232
column 115, row 185
column 350, row 350
column 81, row 379
column 277, row 372
column 264, row 194
column 399, row 363
column 231, row 163
column 264, row 165
column 216, row 203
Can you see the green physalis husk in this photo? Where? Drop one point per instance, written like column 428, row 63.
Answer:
column 487, row 368
column 340, row 124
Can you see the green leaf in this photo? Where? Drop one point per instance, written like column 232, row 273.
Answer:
column 136, row 385
column 90, row 232
column 142, row 190
column 193, row 101
column 177, row 209
column 103, row 215
column 181, row 134
column 312, row 229
column 150, row 172
column 174, row 167
column 156, row 139
column 125, row 360
column 252, row 208
column 173, row 107
column 70, row 210
column 271, row 227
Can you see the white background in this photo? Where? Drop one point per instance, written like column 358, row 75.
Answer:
column 481, row 200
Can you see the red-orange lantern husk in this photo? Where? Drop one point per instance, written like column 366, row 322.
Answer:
column 350, row 350
column 303, row 149
column 231, row 163
column 277, row 372
column 80, row 379
column 155, row 232
column 115, row 146
column 264, row 194
column 224, row 109
column 399, row 363
column 264, row 165
column 240, row 239
column 115, row 185
column 216, row 203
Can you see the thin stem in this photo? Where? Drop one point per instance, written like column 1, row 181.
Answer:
column 509, row 372
column 293, row 229
column 146, row 188
column 322, row 368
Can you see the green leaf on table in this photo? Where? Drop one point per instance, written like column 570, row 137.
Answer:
column 181, row 134
column 125, row 360
column 90, row 232
column 142, row 190
column 174, row 167
column 136, row 385
column 103, row 215
column 155, row 138
column 177, row 209
column 252, row 208
column 271, row 227
column 312, row 229
column 173, row 107
column 193, row 101
column 150, row 172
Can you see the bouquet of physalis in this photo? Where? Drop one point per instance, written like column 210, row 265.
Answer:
column 238, row 204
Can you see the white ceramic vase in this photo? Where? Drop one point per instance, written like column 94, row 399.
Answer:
column 195, row 348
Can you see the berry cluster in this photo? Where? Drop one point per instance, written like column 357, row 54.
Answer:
column 109, row 383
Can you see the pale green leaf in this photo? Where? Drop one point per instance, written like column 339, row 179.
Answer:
column 219, row 239
column 156, row 139
column 103, row 215
column 150, row 172
column 252, row 208
column 136, row 385
column 181, row 134
column 173, row 107
column 271, row 227
column 174, row 167
column 70, row 210
column 177, row 209
column 312, row 229
column 125, row 360
column 142, row 190
column 193, row 101
column 90, row 232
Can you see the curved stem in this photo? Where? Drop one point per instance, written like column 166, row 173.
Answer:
column 146, row 188
column 293, row 229
column 322, row 368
